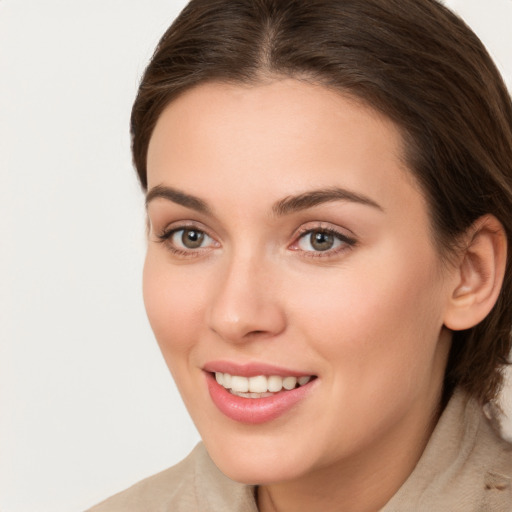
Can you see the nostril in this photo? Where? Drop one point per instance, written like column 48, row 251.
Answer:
column 255, row 333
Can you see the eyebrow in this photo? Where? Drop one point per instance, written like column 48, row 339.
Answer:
column 282, row 207
column 316, row 197
column 178, row 197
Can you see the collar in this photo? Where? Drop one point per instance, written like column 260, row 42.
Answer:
column 466, row 467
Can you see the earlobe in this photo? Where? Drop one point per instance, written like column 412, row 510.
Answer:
column 479, row 274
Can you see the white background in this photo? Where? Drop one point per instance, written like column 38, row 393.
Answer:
column 86, row 403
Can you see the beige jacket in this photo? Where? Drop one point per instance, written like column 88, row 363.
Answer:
column 465, row 467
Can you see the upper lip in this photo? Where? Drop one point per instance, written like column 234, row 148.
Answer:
column 252, row 369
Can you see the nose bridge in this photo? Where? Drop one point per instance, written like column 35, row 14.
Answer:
column 244, row 303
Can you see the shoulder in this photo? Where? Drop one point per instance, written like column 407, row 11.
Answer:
column 488, row 463
column 494, row 453
column 466, row 466
column 158, row 491
column 192, row 485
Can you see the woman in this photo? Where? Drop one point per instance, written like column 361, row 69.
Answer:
column 329, row 199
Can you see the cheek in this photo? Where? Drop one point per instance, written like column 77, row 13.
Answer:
column 383, row 315
column 173, row 304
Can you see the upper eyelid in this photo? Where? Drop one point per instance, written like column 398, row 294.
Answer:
column 342, row 237
column 169, row 232
column 308, row 227
column 180, row 225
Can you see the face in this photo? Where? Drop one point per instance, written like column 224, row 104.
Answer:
column 290, row 247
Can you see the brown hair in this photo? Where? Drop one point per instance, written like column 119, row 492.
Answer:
column 413, row 60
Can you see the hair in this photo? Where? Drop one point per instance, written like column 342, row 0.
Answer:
column 412, row 60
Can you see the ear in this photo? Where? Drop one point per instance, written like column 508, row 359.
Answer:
column 478, row 275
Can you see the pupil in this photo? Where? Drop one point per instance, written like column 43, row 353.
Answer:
column 322, row 241
column 192, row 239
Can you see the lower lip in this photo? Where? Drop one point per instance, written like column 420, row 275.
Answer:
column 254, row 410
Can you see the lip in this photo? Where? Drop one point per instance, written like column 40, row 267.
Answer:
column 255, row 411
column 252, row 369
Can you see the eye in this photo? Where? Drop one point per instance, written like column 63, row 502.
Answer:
column 317, row 241
column 190, row 239
column 322, row 240
column 186, row 240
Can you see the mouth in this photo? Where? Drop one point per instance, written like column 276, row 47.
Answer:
column 259, row 386
column 261, row 394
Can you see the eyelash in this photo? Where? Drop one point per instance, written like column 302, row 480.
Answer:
column 346, row 242
column 166, row 235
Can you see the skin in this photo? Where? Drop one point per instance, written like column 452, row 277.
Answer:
column 366, row 318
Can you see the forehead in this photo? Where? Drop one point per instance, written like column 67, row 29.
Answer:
column 276, row 138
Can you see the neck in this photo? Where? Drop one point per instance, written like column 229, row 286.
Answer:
column 366, row 481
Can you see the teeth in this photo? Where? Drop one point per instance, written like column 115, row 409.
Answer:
column 289, row 382
column 275, row 383
column 259, row 386
column 303, row 380
column 239, row 384
column 252, row 395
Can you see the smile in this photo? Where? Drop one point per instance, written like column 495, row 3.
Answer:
column 259, row 386
column 256, row 398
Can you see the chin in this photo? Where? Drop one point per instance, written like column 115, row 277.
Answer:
column 257, row 461
column 255, row 472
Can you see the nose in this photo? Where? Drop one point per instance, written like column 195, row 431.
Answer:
column 245, row 304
